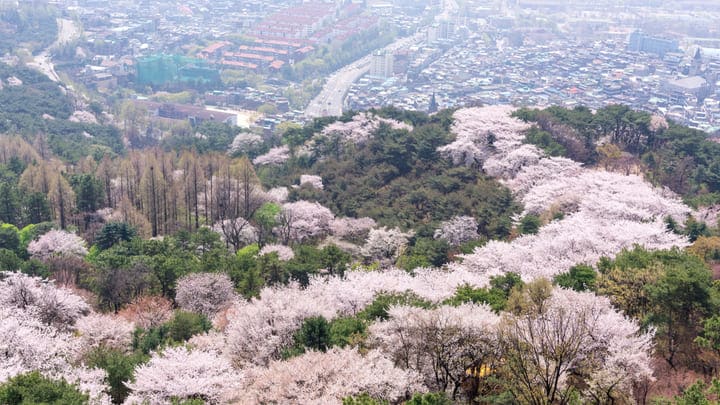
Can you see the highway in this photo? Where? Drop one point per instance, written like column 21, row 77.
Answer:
column 67, row 31
column 331, row 99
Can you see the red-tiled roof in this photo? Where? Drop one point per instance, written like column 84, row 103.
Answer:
column 235, row 63
column 214, row 47
column 245, row 55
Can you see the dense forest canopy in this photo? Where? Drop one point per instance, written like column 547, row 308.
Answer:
column 38, row 109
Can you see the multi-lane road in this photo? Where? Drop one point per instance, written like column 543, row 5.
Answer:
column 332, row 97
column 330, row 100
column 67, row 31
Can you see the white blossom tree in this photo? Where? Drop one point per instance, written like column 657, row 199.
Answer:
column 278, row 194
column 326, row 378
column 302, row 220
column 361, row 128
column 578, row 238
column 603, row 212
column 29, row 345
column 57, row 242
column 284, row 253
column 49, row 304
column 275, row 156
column 507, row 166
column 546, row 169
column 709, row 215
column 441, row 344
column 204, row 293
column 458, row 230
column 179, row 374
column 97, row 330
column 383, row 243
column 482, row 132
column 245, row 142
column 557, row 339
column 351, row 227
column 312, row 180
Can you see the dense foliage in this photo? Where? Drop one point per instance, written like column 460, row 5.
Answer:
column 397, row 177
column 39, row 109
column 33, row 388
column 683, row 159
column 34, row 26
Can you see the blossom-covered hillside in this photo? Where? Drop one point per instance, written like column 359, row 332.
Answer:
column 396, row 258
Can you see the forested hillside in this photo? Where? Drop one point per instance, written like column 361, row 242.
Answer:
column 31, row 25
column 33, row 106
column 682, row 159
column 484, row 254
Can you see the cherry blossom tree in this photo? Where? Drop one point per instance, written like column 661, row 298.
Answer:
column 178, row 373
column 90, row 381
column 480, row 132
column 603, row 212
column 326, row 378
column 211, row 341
column 351, row 227
column 509, row 165
column 465, row 151
column 709, row 215
column 383, row 243
column 97, row 330
column 257, row 331
column 302, row 220
column 49, row 304
column 284, row 252
column 30, row 345
column 59, row 306
column 57, row 242
column 312, row 180
column 361, row 128
column 458, row 230
column 607, row 195
column 275, row 156
column 441, row 344
column 566, row 336
column 579, row 238
column 204, row 293
column 548, row 168
column 278, row 194
column 244, row 142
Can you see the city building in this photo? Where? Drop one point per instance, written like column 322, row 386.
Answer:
column 695, row 86
column 381, row 64
column 640, row 42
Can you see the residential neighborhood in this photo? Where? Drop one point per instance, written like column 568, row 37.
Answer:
column 275, row 57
